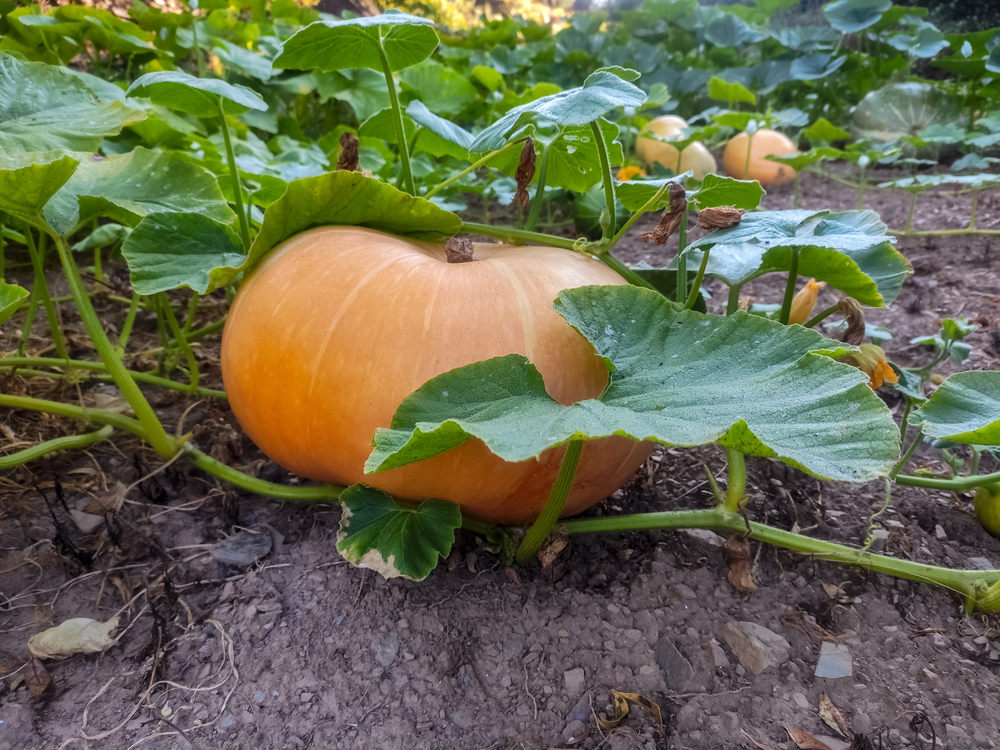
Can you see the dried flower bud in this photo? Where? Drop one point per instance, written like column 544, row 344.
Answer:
column 804, row 302
column 348, row 161
column 720, row 217
column 740, row 565
column 671, row 218
column 855, row 316
column 459, row 250
column 525, row 171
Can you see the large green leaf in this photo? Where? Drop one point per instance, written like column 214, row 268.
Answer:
column 727, row 191
column 12, row 297
column 903, row 109
column 45, row 108
column 126, row 187
column 724, row 91
column 813, row 67
column 395, row 540
column 602, row 92
column 365, row 90
column 964, row 409
column 173, row 250
column 676, row 377
column 850, row 251
column 29, row 180
column 196, row 96
column 360, row 42
column 440, row 136
column 441, row 89
column 925, row 42
column 351, row 199
column 243, row 60
column 851, row 16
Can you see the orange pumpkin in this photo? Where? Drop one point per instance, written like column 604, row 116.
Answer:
column 763, row 144
column 695, row 157
column 338, row 324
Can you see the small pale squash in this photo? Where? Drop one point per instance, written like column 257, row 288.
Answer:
column 695, row 157
column 763, row 144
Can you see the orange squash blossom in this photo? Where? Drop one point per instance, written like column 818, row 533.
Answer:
column 339, row 324
column 871, row 360
column 627, row 173
column 804, row 301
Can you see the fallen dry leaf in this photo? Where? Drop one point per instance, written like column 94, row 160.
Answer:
column 111, row 500
column 36, row 677
column 805, row 741
column 80, row 635
column 740, row 575
column 833, row 716
column 555, row 544
column 834, row 592
column 621, row 704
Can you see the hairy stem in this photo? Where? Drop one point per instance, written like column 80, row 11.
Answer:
column 609, row 186
column 182, row 342
column 820, row 317
column 405, row 174
column 537, row 199
column 793, row 277
column 133, row 308
column 41, row 288
column 539, row 531
column 472, row 168
column 737, row 486
column 73, row 442
column 696, row 284
column 955, row 484
column 234, row 175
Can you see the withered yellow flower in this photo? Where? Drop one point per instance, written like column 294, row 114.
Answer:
column 871, row 361
column 627, row 173
column 804, row 302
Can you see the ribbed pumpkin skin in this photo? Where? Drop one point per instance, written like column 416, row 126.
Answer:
column 765, row 143
column 695, row 157
column 339, row 324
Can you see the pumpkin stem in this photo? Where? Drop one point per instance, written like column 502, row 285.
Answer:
column 459, row 250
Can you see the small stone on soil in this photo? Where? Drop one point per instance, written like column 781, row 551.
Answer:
column 834, row 661
column 242, row 549
column 756, row 647
column 385, row 652
column 574, row 679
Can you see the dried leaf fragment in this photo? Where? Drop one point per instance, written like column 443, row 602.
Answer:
column 349, row 156
column 525, row 172
column 79, row 635
column 833, row 716
column 36, row 677
column 760, row 745
column 555, row 544
column 805, row 741
column 855, row 317
column 740, row 573
column 720, row 217
column 671, row 219
column 621, row 701
column 111, row 500
column 459, row 250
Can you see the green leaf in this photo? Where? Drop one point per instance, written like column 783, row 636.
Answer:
column 349, row 198
column 243, row 60
column 104, row 235
column 926, row 42
column 601, row 92
column 126, row 187
column 173, row 250
column 965, row 408
column 196, row 96
column 813, row 67
column 365, row 90
column 441, row 89
column 676, row 377
column 798, row 162
column 824, row 130
column 770, row 7
column 395, row 540
column 726, row 191
column 574, row 161
column 355, row 43
column 849, row 251
column 45, row 108
column 724, row 91
column 735, row 120
column 12, row 297
column 902, row 109
column 448, row 138
column 29, row 180
column 635, row 193
column 852, row 16
column 731, row 32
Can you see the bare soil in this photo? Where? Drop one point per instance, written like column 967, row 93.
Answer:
column 303, row 650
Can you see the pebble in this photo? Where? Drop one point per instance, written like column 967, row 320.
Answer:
column 513, row 645
column 879, row 538
column 259, row 696
column 717, row 655
column 574, row 679
column 800, row 700
column 980, row 563
column 939, row 532
column 834, row 661
column 678, row 673
column 756, row 647
column 939, row 641
column 228, row 720
column 706, row 536
column 385, row 652
column 574, row 732
column 242, row 549
column 581, row 711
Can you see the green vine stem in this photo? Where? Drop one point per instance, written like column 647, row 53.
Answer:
column 700, row 277
column 182, row 341
column 972, row 211
column 955, row 484
column 472, row 168
column 538, row 198
column 862, row 183
column 969, row 583
column 29, row 322
column 797, row 190
column 535, row 537
column 733, row 304
column 405, row 174
column 3, row 247
column 234, row 174
column 793, row 277
column 41, row 288
column 514, row 236
column 820, row 317
column 624, row 271
column 80, row 364
column 609, row 186
column 133, row 308
column 737, row 486
column 192, row 312
column 73, row 442
column 197, row 49
column 201, row 460
column 909, row 216
column 646, row 207
column 157, row 436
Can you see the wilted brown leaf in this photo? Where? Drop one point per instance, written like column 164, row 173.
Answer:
column 855, row 316
column 111, row 500
column 740, row 574
column 79, row 635
column 671, row 219
column 621, row 701
column 349, row 155
column 805, row 741
column 37, row 677
column 720, row 217
column 760, row 745
column 833, row 716
column 525, row 172
column 555, row 544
